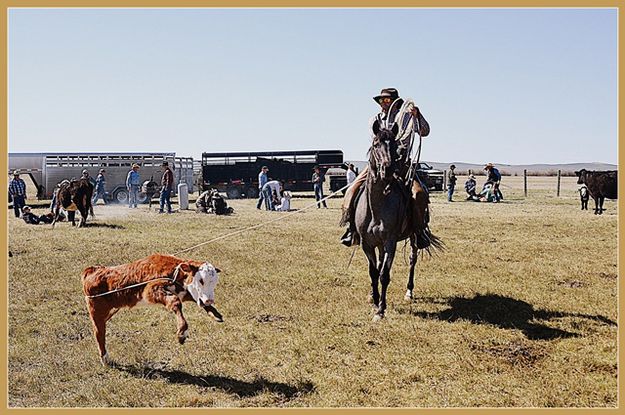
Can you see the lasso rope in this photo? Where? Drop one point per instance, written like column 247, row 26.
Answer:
column 282, row 217
column 172, row 279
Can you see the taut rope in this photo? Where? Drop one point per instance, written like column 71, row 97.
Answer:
column 263, row 223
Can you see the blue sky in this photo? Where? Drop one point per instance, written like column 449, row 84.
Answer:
column 513, row 86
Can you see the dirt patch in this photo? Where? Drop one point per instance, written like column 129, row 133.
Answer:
column 515, row 353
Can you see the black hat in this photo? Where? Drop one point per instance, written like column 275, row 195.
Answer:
column 165, row 163
column 387, row 92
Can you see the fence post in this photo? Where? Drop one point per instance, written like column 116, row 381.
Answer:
column 444, row 179
column 525, row 181
column 558, row 194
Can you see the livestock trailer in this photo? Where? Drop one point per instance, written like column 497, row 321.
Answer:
column 236, row 173
column 48, row 169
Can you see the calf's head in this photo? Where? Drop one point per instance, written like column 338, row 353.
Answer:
column 581, row 176
column 200, row 282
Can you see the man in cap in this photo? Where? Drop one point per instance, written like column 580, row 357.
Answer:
column 100, row 182
column 411, row 121
column 451, row 182
column 262, row 180
column 167, row 183
column 133, row 184
column 470, row 186
column 17, row 190
column 317, row 180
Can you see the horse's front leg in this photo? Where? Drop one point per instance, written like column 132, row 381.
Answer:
column 414, row 253
column 374, row 297
column 385, row 276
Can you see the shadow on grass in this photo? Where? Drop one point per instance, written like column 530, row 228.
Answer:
column 237, row 387
column 506, row 313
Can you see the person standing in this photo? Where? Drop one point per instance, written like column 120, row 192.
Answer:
column 451, row 182
column 167, row 183
column 262, row 180
column 100, row 183
column 317, row 180
column 17, row 190
column 133, row 183
column 350, row 174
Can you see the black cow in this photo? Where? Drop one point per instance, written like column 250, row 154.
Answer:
column 601, row 185
column 71, row 196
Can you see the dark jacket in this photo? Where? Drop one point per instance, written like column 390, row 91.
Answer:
column 167, row 181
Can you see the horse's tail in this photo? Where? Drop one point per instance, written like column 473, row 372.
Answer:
column 428, row 242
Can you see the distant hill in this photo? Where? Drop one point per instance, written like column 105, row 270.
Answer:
column 515, row 169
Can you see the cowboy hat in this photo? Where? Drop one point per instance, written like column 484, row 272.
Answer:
column 135, row 166
column 489, row 165
column 16, row 173
column 387, row 92
column 471, row 176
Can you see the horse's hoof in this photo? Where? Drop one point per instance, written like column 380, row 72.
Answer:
column 408, row 296
column 377, row 317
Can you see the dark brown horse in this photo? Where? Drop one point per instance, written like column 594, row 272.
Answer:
column 386, row 214
column 71, row 196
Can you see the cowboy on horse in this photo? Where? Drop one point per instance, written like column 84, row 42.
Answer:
column 408, row 119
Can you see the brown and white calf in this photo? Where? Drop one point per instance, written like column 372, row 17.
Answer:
column 157, row 279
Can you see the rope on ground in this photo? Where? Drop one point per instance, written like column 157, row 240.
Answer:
column 282, row 217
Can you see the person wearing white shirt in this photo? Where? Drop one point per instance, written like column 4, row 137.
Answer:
column 350, row 174
column 267, row 191
column 285, row 202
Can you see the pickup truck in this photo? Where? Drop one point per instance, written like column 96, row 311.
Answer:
column 433, row 178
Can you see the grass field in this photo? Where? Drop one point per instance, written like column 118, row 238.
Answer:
column 520, row 310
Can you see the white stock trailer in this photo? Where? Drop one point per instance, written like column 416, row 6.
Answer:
column 46, row 170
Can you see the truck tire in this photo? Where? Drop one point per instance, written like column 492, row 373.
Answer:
column 251, row 192
column 120, row 196
column 233, row 193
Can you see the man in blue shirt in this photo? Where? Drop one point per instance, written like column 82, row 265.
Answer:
column 133, row 184
column 17, row 190
column 262, row 180
column 99, row 192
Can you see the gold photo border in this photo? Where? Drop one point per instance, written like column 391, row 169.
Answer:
column 538, row 4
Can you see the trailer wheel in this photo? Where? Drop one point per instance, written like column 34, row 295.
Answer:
column 121, row 196
column 251, row 192
column 233, row 193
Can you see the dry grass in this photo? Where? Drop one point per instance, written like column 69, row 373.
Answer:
column 519, row 311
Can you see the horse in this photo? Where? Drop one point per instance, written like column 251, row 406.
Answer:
column 74, row 195
column 386, row 214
